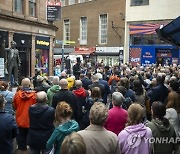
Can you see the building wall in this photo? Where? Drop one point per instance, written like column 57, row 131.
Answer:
column 156, row 12
column 92, row 10
column 14, row 22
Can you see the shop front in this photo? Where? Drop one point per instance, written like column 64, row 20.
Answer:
column 109, row 56
column 42, row 47
column 24, row 45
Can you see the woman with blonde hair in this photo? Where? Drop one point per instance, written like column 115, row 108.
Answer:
column 73, row 144
column 65, row 126
column 134, row 138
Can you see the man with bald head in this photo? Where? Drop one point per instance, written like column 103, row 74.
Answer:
column 81, row 95
column 41, row 124
column 65, row 95
column 22, row 100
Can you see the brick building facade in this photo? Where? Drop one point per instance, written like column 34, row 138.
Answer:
column 93, row 16
column 24, row 21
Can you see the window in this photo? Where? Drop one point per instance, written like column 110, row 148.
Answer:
column 103, row 29
column 18, row 6
column 83, row 30
column 32, row 8
column 81, row 1
column 66, row 30
column 145, row 39
column 62, row 2
column 71, row 2
column 139, row 2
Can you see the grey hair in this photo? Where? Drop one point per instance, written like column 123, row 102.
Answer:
column 55, row 80
column 98, row 114
column 117, row 98
column 99, row 75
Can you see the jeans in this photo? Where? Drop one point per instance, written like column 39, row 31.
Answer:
column 22, row 138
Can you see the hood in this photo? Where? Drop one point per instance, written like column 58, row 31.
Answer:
column 162, row 125
column 39, row 110
column 26, row 94
column 55, row 88
column 81, row 92
column 68, row 127
column 139, row 129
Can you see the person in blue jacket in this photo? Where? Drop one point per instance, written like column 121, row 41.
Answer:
column 65, row 126
column 8, row 129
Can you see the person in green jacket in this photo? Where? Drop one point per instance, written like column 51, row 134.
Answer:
column 65, row 126
column 54, row 89
column 164, row 136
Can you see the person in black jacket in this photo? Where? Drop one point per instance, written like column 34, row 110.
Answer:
column 41, row 124
column 67, row 96
column 160, row 92
column 8, row 129
column 96, row 83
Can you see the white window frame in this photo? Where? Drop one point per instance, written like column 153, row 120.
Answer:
column 63, row 3
column 34, row 8
column 18, row 6
column 66, row 22
column 71, row 2
column 83, row 31
column 82, row 1
column 102, row 25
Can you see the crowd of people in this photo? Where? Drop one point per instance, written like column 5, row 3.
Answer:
column 102, row 110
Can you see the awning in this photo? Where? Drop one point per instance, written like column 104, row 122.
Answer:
column 83, row 50
column 171, row 32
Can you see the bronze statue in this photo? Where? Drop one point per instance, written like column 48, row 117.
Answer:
column 13, row 62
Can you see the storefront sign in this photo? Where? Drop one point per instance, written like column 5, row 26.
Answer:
column 42, row 42
column 23, row 40
column 53, row 11
column 84, row 50
column 135, row 56
column 108, row 49
column 175, row 61
column 164, row 54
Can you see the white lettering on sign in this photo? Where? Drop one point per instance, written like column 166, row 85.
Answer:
column 135, row 59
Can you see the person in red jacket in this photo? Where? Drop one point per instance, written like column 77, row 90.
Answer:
column 23, row 99
column 117, row 116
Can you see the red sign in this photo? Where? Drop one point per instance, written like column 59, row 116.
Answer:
column 84, row 50
column 164, row 54
column 135, row 56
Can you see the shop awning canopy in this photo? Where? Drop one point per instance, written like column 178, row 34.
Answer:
column 171, row 32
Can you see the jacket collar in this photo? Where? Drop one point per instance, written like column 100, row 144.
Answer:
column 92, row 127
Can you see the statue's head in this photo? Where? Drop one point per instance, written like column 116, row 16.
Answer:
column 13, row 44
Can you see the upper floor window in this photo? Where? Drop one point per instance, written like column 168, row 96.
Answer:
column 71, row 2
column 66, row 30
column 103, row 29
column 18, row 6
column 62, row 2
column 139, row 2
column 83, row 30
column 81, row 1
column 32, row 8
